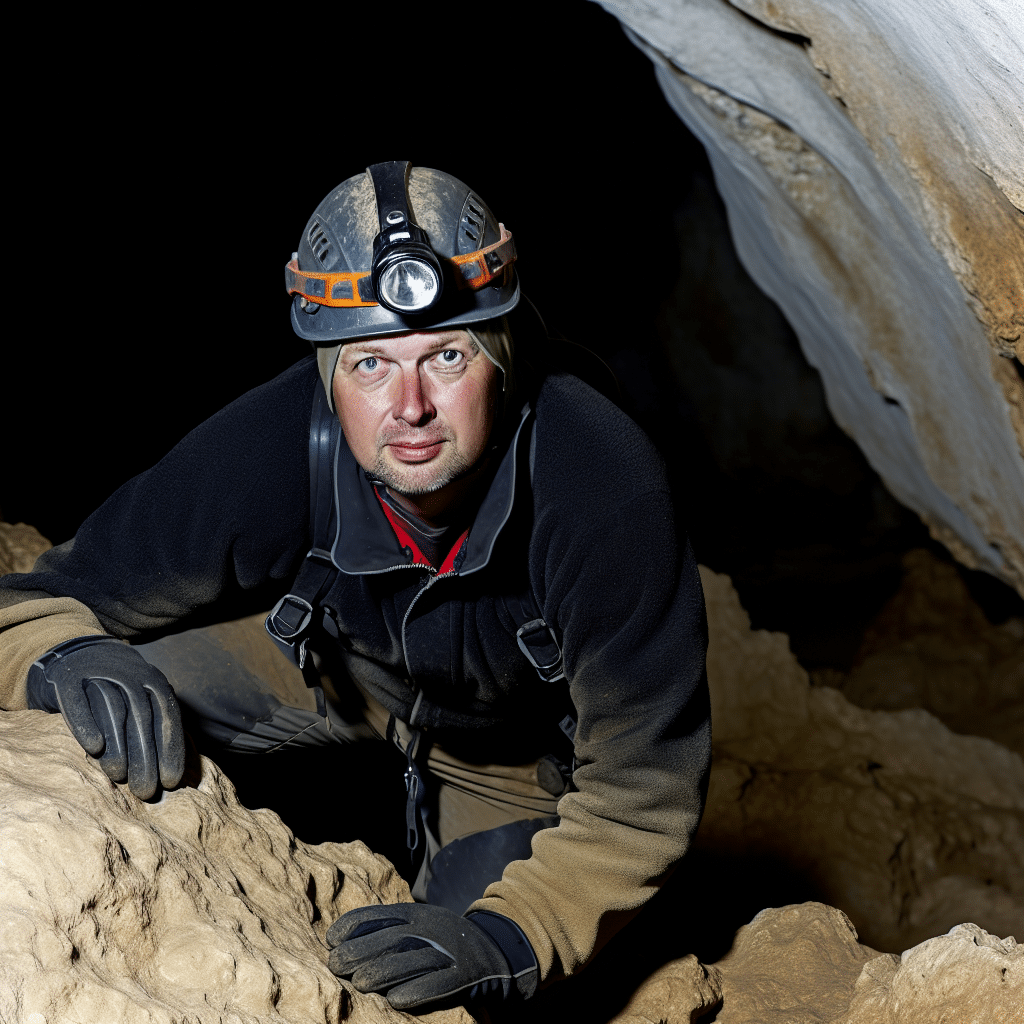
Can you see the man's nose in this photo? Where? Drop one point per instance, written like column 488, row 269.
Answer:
column 414, row 405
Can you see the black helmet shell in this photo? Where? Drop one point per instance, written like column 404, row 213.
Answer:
column 339, row 237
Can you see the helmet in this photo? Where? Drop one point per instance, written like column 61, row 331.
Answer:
column 398, row 249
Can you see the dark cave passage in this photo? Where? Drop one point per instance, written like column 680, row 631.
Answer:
column 574, row 160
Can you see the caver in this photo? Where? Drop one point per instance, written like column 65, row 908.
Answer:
column 467, row 552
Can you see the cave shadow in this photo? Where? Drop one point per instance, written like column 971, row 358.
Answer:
column 698, row 910
column 338, row 794
column 345, row 793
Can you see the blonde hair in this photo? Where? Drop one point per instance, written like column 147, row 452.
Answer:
column 494, row 339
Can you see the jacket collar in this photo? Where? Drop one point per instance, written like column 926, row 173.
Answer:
column 363, row 539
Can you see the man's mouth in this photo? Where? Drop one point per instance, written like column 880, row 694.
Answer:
column 415, row 451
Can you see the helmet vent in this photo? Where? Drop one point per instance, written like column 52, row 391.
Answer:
column 472, row 225
column 319, row 242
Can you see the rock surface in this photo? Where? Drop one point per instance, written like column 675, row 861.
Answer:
column 965, row 975
column 870, row 157
column 20, row 546
column 683, row 990
column 191, row 908
column 907, row 827
column 802, row 964
column 792, row 964
column 931, row 647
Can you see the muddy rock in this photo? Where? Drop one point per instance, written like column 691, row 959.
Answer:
column 803, row 965
column 190, row 908
column 931, row 647
column 20, row 546
column 907, row 827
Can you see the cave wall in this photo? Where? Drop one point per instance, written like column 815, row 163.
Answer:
column 870, row 158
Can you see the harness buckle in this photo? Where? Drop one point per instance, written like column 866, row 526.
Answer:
column 539, row 644
column 287, row 625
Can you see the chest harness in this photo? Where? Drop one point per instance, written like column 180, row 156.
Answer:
column 290, row 622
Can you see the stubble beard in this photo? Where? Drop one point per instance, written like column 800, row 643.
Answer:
column 405, row 480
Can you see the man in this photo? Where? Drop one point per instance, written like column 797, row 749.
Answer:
column 482, row 567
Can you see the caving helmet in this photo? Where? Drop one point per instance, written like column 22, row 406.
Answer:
column 393, row 250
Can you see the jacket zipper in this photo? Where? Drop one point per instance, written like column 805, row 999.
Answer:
column 432, row 578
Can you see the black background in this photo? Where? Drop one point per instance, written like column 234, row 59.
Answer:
column 165, row 208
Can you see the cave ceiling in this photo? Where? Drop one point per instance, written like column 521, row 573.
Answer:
column 871, row 159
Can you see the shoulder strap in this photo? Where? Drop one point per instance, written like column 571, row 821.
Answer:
column 323, row 435
column 290, row 621
column 537, row 640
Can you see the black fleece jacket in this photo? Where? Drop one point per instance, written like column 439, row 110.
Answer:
column 578, row 512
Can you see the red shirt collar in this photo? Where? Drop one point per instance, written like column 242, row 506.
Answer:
column 408, row 541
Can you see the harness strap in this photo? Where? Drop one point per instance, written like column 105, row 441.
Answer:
column 290, row 621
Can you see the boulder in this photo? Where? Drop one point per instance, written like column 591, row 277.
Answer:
column 964, row 975
column 190, row 908
column 792, row 965
column 803, row 964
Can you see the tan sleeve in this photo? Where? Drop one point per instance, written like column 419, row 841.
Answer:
column 30, row 628
column 586, row 879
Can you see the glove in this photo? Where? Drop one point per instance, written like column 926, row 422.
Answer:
column 120, row 708
column 417, row 954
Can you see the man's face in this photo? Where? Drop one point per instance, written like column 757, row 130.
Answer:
column 417, row 409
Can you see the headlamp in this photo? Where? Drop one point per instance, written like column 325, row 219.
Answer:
column 405, row 274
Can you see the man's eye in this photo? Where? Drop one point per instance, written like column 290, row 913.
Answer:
column 367, row 365
column 450, row 356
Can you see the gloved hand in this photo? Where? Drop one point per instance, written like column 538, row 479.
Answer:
column 119, row 707
column 416, row 954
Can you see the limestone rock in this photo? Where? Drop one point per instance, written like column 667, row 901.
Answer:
column 870, row 157
column 931, row 647
column 792, row 964
column 20, row 546
column 907, row 827
column 190, row 908
column 803, row 965
column 679, row 992
column 965, row 975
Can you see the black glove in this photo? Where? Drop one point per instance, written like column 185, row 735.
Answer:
column 118, row 706
column 416, row 954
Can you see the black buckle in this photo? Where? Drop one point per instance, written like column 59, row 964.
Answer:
column 537, row 636
column 287, row 624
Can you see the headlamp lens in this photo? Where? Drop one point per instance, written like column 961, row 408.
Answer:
column 409, row 285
